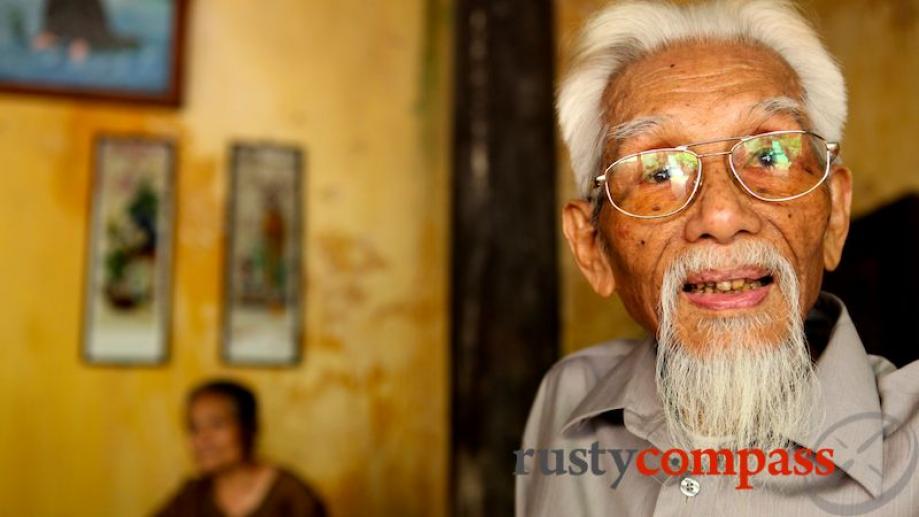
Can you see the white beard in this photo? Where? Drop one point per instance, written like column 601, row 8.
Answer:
column 735, row 389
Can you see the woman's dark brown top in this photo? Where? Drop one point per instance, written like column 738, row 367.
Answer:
column 287, row 497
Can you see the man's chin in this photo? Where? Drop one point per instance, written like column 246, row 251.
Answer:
column 701, row 329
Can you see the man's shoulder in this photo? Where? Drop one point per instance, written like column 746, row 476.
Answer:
column 905, row 377
column 569, row 381
column 590, row 364
column 898, row 390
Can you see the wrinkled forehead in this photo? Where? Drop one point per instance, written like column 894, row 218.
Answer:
column 710, row 85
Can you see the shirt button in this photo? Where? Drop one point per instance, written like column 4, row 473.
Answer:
column 690, row 487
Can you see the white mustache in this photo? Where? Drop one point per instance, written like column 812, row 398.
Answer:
column 742, row 254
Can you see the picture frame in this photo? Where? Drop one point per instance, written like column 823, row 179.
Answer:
column 129, row 259
column 263, row 302
column 109, row 50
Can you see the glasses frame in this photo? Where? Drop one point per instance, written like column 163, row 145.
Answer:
column 832, row 152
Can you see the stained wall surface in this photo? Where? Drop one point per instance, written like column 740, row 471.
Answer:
column 362, row 87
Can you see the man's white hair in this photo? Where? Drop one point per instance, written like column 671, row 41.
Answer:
column 627, row 30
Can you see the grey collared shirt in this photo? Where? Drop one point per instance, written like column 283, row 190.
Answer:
column 604, row 398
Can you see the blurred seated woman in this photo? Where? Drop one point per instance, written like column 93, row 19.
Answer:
column 222, row 421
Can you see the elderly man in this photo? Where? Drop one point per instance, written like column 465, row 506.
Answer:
column 704, row 141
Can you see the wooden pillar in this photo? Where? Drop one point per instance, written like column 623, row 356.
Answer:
column 505, row 306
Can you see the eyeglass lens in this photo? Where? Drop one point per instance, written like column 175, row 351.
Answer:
column 772, row 167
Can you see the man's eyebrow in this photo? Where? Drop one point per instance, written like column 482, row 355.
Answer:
column 635, row 127
column 782, row 105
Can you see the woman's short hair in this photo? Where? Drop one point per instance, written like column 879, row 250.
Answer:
column 244, row 403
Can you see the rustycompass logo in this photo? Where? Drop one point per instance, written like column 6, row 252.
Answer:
column 742, row 464
column 824, row 466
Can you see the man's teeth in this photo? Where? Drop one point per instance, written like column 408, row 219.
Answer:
column 725, row 286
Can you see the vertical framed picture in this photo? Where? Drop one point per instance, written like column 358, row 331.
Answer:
column 124, row 50
column 127, row 294
column 263, row 308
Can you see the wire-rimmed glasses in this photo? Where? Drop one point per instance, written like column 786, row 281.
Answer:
column 774, row 166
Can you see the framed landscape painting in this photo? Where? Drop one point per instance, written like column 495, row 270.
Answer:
column 263, row 306
column 125, row 50
column 126, row 316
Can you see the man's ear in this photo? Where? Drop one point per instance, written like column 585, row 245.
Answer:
column 586, row 246
column 840, row 182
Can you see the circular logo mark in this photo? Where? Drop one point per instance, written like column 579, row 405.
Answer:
column 855, row 449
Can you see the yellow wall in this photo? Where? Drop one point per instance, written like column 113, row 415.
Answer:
column 363, row 88
column 877, row 44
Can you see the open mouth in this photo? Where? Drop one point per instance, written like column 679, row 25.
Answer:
column 735, row 289
column 727, row 286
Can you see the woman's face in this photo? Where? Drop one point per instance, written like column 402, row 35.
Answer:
column 214, row 433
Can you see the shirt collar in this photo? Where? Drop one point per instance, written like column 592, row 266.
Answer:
column 852, row 423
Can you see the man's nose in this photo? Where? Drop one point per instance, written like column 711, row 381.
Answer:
column 722, row 211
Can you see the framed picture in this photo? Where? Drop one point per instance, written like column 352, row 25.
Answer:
column 127, row 50
column 129, row 261
column 263, row 305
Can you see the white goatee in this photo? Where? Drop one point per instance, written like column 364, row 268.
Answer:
column 735, row 388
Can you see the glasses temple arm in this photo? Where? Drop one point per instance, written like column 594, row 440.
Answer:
column 833, row 148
